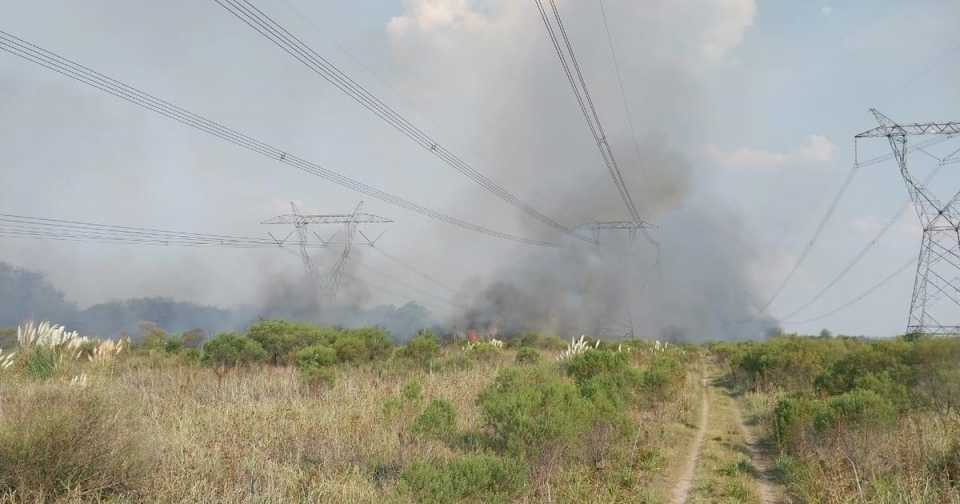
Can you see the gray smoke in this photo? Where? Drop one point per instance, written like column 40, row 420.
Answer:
column 532, row 131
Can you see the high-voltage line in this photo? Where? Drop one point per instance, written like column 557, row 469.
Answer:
column 861, row 254
column 623, row 88
column 80, row 73
column 863, row 295
column 415, row 270
column 37, row 227
column 394, row 279
column 578, row 84
column 270, row 29
column 813, row 239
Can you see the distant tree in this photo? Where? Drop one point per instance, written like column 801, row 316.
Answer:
column 825, row 333
column 194, row 338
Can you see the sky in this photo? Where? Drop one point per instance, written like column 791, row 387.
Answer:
column 744, row 112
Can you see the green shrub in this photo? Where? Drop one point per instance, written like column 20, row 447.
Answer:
column 857, row 408
column 482, row 351
column 229, row 350
column 315, row 364
column 55, row 441
column 533, row 411
column 315, row 356
column 663, row 378
column 406, row 403
column 281, row 338
column 422, row 349
column 412, row 391
column 174, row 344
column 606, row 378
column 350, row 348
column 318, row 377
column 790, row 418
column 527, row 355
column 472, row 478
column 377, row 344
column 438, row 421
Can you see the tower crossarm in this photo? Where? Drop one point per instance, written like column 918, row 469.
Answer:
column 913, row 129
column 358, row 218
column 888, row 128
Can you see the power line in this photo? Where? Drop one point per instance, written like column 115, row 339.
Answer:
column 20, row 226
column 623, row 90
column 424, row 292
column 816, row 235
column 584, row 100
column 861, row 254
column 294, row 46
column 859, row 298
column 415, row 271
column 80, row 73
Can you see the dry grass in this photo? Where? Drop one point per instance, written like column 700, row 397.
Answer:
column 263, row 436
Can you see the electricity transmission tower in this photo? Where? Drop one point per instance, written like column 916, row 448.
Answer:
column 333, row 279
column 625, row 328
column 935, row 304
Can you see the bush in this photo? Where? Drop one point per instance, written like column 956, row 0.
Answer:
column 482, row 351
column 533, row 411
column 857, row 408
column 438, row 421
column 315, row 356
column 528, row 355
column 422, row 349
column 315, row 364
column 317, row 377
column 229, row 350
column 377, row 345
column 281, row 338
column 412, row 391
column 606, row 378
column 478, row 478
column 57, row 441
column 350, row 348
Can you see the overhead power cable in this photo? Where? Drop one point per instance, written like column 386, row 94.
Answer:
column 862, row 253
column 408, row 285
column 415, row 271
column 813, row 239
column 20, row 226
column 270, row 29
column 887, row 279
column 80, row 73
column 565, row 52
column 623, row 88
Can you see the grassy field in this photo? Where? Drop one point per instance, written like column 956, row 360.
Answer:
column 421, row 423
column 293, row 412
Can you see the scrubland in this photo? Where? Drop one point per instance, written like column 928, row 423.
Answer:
column 294, row 412
column 854, row 420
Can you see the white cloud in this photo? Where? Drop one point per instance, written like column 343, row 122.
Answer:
column 817, row 149
column 428, row 15
column 733, row 18
column 826, row 10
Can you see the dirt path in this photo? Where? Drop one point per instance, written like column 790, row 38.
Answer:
column 682, row 490
column 770, row 492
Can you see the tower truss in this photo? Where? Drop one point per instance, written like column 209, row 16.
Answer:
column 935, row 303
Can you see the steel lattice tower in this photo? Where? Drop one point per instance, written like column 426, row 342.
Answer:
column 333, row 280
column 935, row 304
